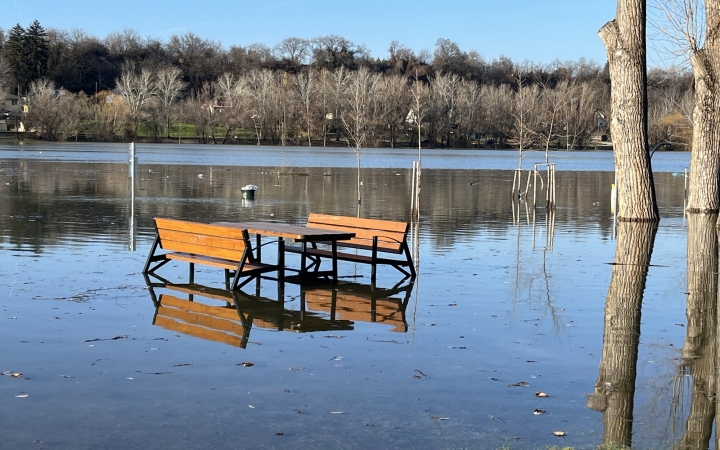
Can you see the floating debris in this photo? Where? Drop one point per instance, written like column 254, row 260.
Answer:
column 116, row 338
column 539, row 411
column 519, row 384
column 559, row 433
column 541, row 394
column 246, row 364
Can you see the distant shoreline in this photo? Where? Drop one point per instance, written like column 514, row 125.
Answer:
column 12, row 137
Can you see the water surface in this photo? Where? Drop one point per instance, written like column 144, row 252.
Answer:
column 509, row 301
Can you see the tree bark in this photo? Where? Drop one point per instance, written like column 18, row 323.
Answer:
column 704, row 189
column 699, row 349
column 624, row 40
column 615, row 387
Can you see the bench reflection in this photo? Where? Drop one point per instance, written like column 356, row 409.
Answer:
column 228, row 316
column 360, row 302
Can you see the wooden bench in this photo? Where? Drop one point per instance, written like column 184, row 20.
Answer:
column 374, row 235
column 211, row 245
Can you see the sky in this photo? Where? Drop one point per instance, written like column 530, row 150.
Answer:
column 538, row 31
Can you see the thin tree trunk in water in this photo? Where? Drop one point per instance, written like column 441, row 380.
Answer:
column 703, row 192
column 615, row 387
column 624, row 40
column 357, row 150
column 699, row 351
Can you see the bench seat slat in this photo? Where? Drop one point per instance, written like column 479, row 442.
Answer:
column 216, row 262
column 351, row 257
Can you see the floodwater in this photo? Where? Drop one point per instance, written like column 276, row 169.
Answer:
column 509, row 301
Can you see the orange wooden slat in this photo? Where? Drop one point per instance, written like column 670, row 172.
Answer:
column 201, row 308
column 205, row 260
column 357, row 308
column 214, row 294
column 199, row 228
column 197, row 331
column 372, row 224
column 202, row 239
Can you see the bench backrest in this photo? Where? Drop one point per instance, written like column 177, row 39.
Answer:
column 216, row 241
column 214, row 323
column 357, row 307
column 391, row 235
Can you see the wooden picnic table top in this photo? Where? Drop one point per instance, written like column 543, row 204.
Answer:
column 296, row 232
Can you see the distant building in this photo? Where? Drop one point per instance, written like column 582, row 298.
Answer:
column 10, row 103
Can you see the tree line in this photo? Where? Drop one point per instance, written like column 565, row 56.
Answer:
column 308, row 91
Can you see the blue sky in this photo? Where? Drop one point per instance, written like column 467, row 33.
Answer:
column 533, row 30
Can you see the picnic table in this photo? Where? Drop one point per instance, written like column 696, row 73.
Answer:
column 297, row 233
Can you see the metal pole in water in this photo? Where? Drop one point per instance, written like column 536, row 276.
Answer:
column 132, row 173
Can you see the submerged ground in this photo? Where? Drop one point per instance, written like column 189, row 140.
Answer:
column 509, row 301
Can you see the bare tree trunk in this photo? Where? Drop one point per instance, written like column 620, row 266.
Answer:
column 624, row 40
column 615, row 387
column 704, row 194
column 699, row 350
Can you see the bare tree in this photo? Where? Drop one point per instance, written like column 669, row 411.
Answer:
column 445, row 105
column 358, row 113
column 108, row 115
column 54, row 113
column 394, row 102
column 136, row 89
column 305, row 88
column 420, row 103
column 334, row 85
column 294, row 50
column 500, row 121
column 260, row 85
column 624, row 40
column 168, row 86
column 693, row 31
column 233, row 93
column 553, row 102
column 471, row 109
column 525, row 112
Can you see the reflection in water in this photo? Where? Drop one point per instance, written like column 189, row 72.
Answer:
column 49, row 203
column 189, row 309
column 360, row 302
column 699, row 350
column 231, row 321
column 615, row 387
